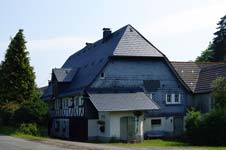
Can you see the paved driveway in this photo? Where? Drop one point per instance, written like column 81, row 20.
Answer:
column 11, row 143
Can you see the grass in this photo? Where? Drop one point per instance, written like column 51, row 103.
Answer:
column 167, row 143
column 12, row 131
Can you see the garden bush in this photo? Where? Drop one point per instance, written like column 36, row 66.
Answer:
column 208, row 129
column 192, row 124
column 32, row 112
column 7, row 112
column 29, row 128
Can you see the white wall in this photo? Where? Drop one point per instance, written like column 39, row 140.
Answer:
column 112, row 124
column 166, row 124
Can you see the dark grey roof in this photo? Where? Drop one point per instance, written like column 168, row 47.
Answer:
column 92, row 58
column 122, row 101
column 64, row 74
column 188, row 71
column 207, row 75
column 134, row 44
column 199, row 76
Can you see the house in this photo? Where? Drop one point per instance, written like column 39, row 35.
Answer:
column 199, row 76
column 120, row 87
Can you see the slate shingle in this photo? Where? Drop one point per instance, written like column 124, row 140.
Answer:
column 92, row 58
column 122, row 101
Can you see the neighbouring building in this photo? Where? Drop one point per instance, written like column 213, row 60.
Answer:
column 122, row 86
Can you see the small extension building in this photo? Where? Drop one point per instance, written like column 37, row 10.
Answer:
column 121, row 87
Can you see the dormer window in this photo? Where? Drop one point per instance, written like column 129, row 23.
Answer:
column 102, row 75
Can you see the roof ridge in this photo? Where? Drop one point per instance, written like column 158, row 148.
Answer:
column 94, row 43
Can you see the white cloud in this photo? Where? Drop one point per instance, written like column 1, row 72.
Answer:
column 188, row 20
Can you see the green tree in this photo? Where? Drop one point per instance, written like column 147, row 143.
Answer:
column 16, row 75
column 219, row 91
column 206, row 55
column 219, row 42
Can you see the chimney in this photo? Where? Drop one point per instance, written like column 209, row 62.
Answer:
column 106, row 33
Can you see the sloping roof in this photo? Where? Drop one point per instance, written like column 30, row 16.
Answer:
column 122, row 101
column 207, row 75
column 64, row 74
column 90, row 60
column 199, row 76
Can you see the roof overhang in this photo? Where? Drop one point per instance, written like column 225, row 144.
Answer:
column 122, row 102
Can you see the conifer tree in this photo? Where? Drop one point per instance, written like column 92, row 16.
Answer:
column 216, row 51
column 219, row 42
column 17, row 79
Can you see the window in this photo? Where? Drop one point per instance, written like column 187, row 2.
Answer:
column 64, row 126
column 80, row 101
column 173, row 98
column 151, row 96
column 57, row 126
column 102, row 75
column 176, row 98
column 156, row 122
column 168, row 98
column 61, row 103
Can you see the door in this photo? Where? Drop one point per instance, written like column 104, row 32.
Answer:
column 78, row 129
column 127, row 128
column 178, row 126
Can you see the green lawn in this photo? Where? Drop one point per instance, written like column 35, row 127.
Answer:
column 166, row 143
column 11, row 131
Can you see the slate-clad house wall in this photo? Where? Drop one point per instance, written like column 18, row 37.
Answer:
column 130, row 74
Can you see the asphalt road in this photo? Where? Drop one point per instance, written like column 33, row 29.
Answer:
column 11, row 143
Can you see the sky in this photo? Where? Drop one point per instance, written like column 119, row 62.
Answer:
column 55, row 29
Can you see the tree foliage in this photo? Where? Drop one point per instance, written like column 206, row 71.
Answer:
column 32, row 112
column 19, row 98
column 206, row 55
column 219, row 91
column 219, row 42
column 16, row 75
column 216, row 51
column 208, row 129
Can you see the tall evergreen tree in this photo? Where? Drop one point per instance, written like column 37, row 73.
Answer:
column 216, row 50
column 17, row 79
column 219, row 42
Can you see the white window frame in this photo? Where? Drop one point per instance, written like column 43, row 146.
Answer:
column 172, row 95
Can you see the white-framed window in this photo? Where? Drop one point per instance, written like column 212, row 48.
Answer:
column 174, row 98
column 151, row 96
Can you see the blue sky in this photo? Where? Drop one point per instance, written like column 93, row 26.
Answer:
column 55, row 29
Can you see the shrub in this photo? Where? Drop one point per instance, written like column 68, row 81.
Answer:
column 192, row 123
column 207, row 130
column 29, row 128
column 32, row 112
column 214, row 127
column 7, row 112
